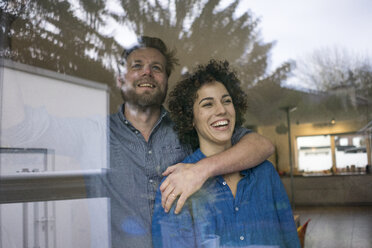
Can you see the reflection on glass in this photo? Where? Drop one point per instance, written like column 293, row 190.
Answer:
column 16, row 161
column 46, row 111
column 314, row 153
column 55, row 224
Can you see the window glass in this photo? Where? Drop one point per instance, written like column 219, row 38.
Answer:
column 314, row 153
column 59, row 65
column 351, row 154
column 52, row 224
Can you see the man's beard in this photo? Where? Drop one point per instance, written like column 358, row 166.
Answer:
column 146, row 99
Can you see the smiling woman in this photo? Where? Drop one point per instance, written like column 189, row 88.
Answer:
column 243, row 208
column 184, row 97
column 214, row 118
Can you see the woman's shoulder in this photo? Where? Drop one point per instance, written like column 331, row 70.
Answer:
column 264, row 167
column 194, row 157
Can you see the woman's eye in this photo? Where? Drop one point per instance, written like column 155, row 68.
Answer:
column 208, row 104
column 227, row 101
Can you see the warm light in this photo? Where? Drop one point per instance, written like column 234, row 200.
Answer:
column 333, row 121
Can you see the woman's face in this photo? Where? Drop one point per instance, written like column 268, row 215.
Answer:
column 214, row 115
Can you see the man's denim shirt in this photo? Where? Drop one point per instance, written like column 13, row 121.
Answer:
column 134, row 175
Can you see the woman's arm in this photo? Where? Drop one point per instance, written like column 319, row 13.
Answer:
column 185, row 179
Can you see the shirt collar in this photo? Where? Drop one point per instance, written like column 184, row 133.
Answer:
column 199, row 155
column 163, row 114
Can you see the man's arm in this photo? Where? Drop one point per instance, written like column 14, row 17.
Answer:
column 185, row 179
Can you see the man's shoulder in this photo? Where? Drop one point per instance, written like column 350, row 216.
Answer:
column 114, row 117
column 165, row 117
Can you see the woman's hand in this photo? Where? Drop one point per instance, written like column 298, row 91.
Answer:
column 183, row 180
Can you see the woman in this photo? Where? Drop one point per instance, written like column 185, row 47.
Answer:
column 235, row 210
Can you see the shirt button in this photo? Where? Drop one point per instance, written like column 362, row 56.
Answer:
column 150, row 152
column 241, row 237
column 151, row 181
column 236, row 209
column 136, row 131
column 126, row 122
column 224, row 183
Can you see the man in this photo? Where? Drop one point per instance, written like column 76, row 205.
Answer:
column 143, row 144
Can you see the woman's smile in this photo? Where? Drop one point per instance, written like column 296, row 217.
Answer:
column 214, row 117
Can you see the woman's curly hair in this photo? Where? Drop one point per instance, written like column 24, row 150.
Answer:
column 181, row 99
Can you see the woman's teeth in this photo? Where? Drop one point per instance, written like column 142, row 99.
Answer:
column 220, row 123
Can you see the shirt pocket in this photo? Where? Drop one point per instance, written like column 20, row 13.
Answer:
column 172, row 154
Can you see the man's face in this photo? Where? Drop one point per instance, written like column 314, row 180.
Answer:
column 145, row 82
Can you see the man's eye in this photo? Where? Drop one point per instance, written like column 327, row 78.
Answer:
column 136, row 66
column 157, row 68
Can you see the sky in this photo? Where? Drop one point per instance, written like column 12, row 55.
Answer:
column 299, row 27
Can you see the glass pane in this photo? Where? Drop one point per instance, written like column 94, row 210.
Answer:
column 46, row 110
column 351, row 153
column 64, row 86
column 20, row 161
column 55, row 224
column 314, row 153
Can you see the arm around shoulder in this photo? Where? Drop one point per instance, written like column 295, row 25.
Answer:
column 185, row 179
column 251, row 150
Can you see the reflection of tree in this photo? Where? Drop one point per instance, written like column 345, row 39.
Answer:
column 211, row 34
column 335, row 69
column 47, row 34
column 67, row 36
column 9, row 10
column 346, row 77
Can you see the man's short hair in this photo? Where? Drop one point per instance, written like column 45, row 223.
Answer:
column 153, row 42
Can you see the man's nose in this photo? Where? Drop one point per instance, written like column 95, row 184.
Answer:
column 147, row 70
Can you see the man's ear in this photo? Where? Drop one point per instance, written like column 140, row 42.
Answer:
column 119, row 82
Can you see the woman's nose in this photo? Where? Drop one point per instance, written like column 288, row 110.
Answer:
column 220, row 109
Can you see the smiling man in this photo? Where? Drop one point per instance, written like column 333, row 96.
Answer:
column 145, row 90
column 144, row 146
